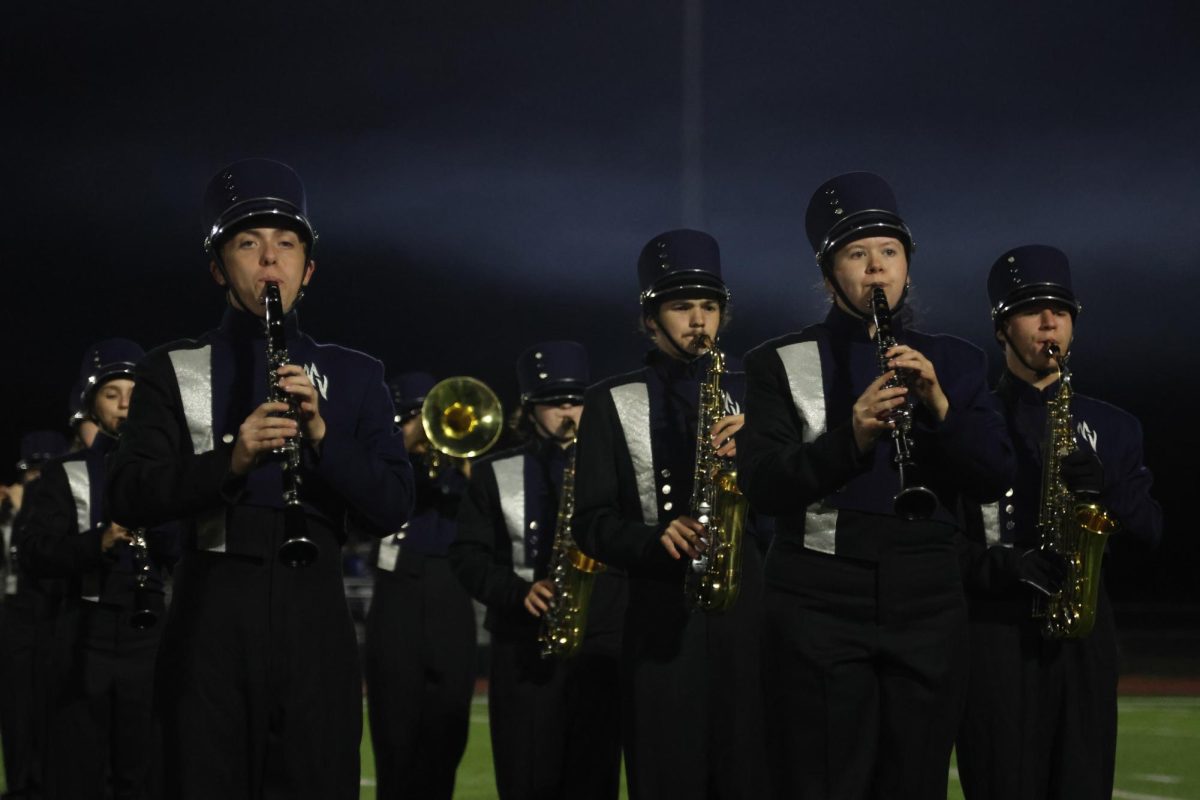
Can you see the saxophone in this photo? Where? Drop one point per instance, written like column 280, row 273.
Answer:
column 914, row 500
column 1068, row 524
column 297, row 550
column 573, row 573
column 713, row 578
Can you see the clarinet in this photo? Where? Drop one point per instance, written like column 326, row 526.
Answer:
column 144, row 617
column 297, row 549
column 913, row 501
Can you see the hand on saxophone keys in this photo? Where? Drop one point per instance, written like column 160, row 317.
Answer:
column 684, row 536
column 540, row 596
column 112, row 534
column 724, row 431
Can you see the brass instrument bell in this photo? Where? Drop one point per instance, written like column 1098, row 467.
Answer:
column 462, row 417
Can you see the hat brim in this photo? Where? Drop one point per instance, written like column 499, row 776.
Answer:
column 692, row 283
column 863, row 225
column 1037, row 293
column 571, row 392
column 260, row 212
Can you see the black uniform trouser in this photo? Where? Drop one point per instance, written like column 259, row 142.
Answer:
column 1041, row 715
column 592, row 762
column 101, row 742
column 693, row 719
column 420, row 669
column 865, row 672
column 257, row 685
column 24, row 667
column 527, row 715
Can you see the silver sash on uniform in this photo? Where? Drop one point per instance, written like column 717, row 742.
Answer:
column 991, row 523
column 193, row 374
column 81, row 491
column 510, row 485
column 802, row 364
column 632, row 401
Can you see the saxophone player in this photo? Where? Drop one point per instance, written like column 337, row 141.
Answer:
column 257, row 685
column 553, row 723
column 1041, row 713
column 865, row 618
column 99, row 731
column 690, row 682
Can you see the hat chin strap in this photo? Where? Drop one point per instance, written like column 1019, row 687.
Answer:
column 233, row 292
column 682, row 352
column 545, row 432
column 1040, row 373
column 860, row 313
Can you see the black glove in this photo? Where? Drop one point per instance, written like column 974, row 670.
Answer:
column 1044, row 570
column 1082, row 472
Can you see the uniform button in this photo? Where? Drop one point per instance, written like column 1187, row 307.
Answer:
column 666, row 489
column 401, row 534
column 1008, row 493
column 537, row 355
column 533, row 539
column 543, row 375
column 667, row 506
column 1010, row 525
column 533, row 526
column 1008, row 509
column 666, row 473
column 227, row 438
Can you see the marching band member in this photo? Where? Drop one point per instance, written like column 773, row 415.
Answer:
column 26, row 631
column 99, row 738
column 691, row 681
column 866, row 621
column 420, row 647
column 258, row 684
column 506, row 530
column 1041, row 713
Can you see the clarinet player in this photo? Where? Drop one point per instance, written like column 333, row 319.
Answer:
column 865, row 627
column 258, row 686
column 1041, row 713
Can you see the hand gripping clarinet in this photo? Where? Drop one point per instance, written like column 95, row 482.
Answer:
column 297, row 549
column 913, row 501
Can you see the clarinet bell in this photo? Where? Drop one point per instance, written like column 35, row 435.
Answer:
column 143, row 619
column 915, row 502
column 298, row 552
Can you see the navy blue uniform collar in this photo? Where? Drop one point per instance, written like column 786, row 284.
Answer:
column 846, row 325
column 241, row 325
column 1015, row 390
column 103, row 443
column 673, row 369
